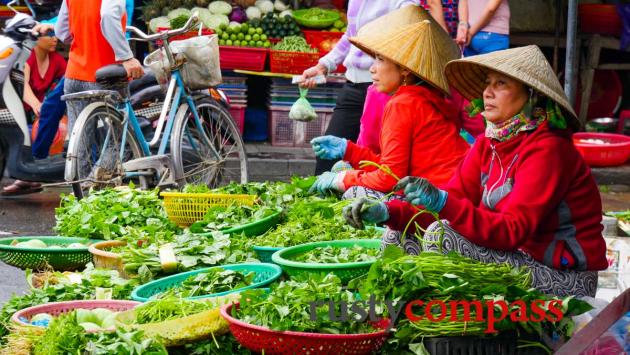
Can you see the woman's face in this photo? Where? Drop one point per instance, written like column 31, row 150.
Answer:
column 47, row 43
column 503, row 97
column 387, row 76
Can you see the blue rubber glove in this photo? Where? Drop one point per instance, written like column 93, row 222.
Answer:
column 419, row 191
column 362, row 209
column 329, row 147
column 328, row 182
column 341, row 166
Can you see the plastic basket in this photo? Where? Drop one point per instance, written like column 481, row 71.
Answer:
column 292, row 62
column 265, row 253
column 108, row 260
column 286, row 132
column 599, row 18
column 245, row 58
column 266, row 341
column 256, row 228
column 187, row 208
column 345, row 271
column 238, row 115
column 615, row 153
column 324, row 41
column 265, row 274
column 57, row 308
column 61, row 259
column 331, row 17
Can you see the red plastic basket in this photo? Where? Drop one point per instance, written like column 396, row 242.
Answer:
column 57, row 308
column 615, row 153
column 324, row 41
column 286, row 132
column 238, row 114
column 261, row 339
column 599, row 18
column 245, row 58
column 292, row 62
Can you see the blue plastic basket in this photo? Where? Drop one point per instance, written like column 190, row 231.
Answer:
column 265, row 274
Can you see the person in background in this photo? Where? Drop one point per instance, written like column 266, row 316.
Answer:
column 523, row 195
column 489, row 30
column 448, row 14
column 345, row 122
column 43, row 88
column 418, row 130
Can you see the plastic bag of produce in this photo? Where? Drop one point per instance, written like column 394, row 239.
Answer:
column 302, row 110
column 202, row 69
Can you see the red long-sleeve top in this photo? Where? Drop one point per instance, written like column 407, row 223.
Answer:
column 419, row 137
column 543, row 200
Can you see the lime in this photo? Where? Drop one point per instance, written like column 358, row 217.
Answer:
column 251, row 31
column 259, row 43
column 222, row 42
column 263, row 37
column 233, row 37
column 245, row 27
column 259, row 31
column 225, row 36
column 339, row 24
column 240, row 36
column 251, row 44
column 248, row 37
column 228, row 42
column 222, row 27
column 256, row 37
column 237, row 43
column 267, row 44
column 219, row 32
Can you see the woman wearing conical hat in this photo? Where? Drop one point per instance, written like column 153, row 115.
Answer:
column 523, row 194
column 418, row 136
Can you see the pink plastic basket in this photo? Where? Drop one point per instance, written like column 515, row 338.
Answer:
column 57, row 308
column 261, row 339
column 238, row 114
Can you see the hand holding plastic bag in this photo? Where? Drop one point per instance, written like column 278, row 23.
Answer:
column 302, row 109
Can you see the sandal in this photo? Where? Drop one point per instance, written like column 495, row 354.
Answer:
column 20, row 187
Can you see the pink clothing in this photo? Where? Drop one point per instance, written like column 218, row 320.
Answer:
column 500, row 22
column 372, row 119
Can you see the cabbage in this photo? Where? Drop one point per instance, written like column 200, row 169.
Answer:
column 265, row 6
column 253, row 12
column 220, row 8
column 177, row 13
column 158, row 22
column 238, row 15
column 203, row 14
column 90, row 327
column 214, row 21
column 280, row 6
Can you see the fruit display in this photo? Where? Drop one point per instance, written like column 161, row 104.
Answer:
column 276, row 26
column 242, row 35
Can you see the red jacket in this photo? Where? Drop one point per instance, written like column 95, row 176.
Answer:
column 546, row 203
column 419, row 137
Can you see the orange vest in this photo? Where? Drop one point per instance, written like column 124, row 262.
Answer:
column 89, row 50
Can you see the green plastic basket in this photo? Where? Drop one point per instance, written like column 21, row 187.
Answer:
column 256, row 228
column 264, row 253
column 61, row 259
column 345, row 271
column 331, row 17
column 265, row 274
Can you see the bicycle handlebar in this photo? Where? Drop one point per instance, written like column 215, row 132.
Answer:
column 164, row 35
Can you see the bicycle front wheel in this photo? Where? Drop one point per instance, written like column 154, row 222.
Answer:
column 211, row 153
column 96, row 150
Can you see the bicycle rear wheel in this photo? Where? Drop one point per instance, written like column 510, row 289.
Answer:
column 213, row 155
column 96, row 150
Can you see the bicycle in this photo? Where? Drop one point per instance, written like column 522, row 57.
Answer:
column 200, row 143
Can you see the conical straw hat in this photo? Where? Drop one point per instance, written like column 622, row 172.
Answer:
column 525, row 64
column 394, row 21
column 422, row 47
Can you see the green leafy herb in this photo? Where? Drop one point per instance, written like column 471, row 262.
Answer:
column 212, row 281
column 167, row 308
column 336, row 255
column 123, row 343
column 63, row 336
column 221, row 217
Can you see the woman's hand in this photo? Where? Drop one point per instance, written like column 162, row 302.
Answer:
column 311, row 73
column 362, row 209
column 420, row 192
column 37, row 108
column 462, row 35
column 329, row 147
column 327, row 182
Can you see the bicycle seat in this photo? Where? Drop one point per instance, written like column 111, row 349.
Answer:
column 112, row 77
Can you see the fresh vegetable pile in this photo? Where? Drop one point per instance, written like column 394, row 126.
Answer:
column 104, row 214
column 294, row 44
column 242, row 35
column 167, row 308
column 330, row 255
column 213, row 281
column 38, row 244
column 288, row 305
column 278, row 26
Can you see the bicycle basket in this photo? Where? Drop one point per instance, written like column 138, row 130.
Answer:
column 201, row 69
column 160, row 67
